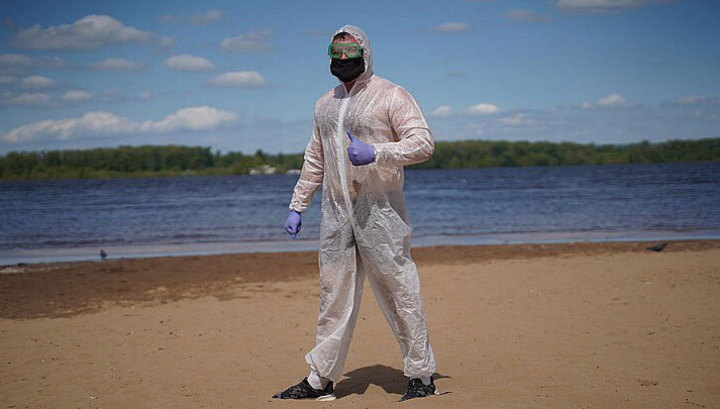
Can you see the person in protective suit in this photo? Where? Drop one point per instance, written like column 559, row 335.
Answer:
column 365, row 131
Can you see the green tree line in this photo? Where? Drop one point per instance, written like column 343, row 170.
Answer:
column 483, row 154
column 172, row 160
column 140, row 161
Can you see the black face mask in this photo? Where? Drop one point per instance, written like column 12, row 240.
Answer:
column 347, row 70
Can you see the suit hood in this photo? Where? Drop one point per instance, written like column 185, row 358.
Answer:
column 364, row 42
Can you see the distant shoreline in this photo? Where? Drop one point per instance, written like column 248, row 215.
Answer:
column 172, row 160
column 13, row 257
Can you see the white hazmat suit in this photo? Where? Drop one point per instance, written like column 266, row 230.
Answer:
column 364, row 227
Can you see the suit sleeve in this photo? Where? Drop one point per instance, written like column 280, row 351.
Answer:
column 311, row 176
column 415, row 142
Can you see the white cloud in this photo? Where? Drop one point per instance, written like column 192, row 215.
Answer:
column 527, row 15
column 98, row 123
column 239, row 79
column 12, row 61
column 117, row 64
column 40, row 99
column 166, row 42
column 698, row 100
column 188, row 62
column 144, row 96
column 442, row 111
column 18, row 63
column 26, row 98
column 208, row 16
column 90, row 32
column 196, row 19
column 452, row 27
column 37, row 82
column 518, row 119
column 102, row 123
column 603, row 6
column 610, row 101
column 254, row 41
column 76, row 96
column 483, row 109
column 201, row 118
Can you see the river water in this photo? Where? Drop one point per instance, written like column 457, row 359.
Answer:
column 74, row 219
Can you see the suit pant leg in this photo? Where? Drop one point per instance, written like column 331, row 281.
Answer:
column 341, row 284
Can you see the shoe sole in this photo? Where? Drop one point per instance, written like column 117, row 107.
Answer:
column 326, row 398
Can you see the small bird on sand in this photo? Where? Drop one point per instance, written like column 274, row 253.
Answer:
column 657, row 247
column 103, row 254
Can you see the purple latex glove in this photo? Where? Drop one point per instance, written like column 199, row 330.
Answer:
column 293, row 223
column 359, row 152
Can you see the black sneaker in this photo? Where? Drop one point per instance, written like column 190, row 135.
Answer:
column 303, row 390
column 417, row 389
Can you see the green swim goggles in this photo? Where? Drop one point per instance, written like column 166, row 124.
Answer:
column 351, row 50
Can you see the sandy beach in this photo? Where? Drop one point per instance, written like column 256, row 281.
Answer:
column 604, row 325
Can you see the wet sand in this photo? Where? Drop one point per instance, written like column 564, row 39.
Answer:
column 601, row 325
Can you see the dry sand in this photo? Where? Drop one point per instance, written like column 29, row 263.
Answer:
column 541, row 326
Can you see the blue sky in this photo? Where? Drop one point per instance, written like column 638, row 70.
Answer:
column 240, row 75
